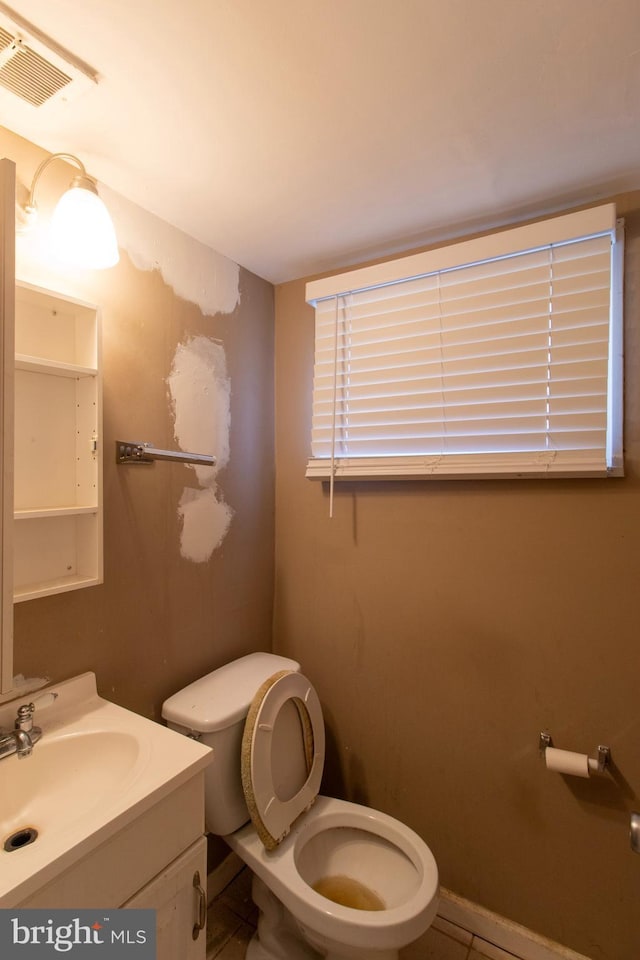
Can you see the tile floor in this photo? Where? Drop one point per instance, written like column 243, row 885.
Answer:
column 232, row 917
column 231, row 920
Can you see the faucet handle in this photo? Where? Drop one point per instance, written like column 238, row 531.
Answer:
column 24, row 718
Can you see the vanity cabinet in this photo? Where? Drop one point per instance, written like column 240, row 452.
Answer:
column 57, row 447
column 151, row 863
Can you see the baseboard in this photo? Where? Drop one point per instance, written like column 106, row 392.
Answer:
column 482, row 927
column 501, row 933
column 222, row 875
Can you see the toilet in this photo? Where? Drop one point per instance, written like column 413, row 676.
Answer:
column 331, row 878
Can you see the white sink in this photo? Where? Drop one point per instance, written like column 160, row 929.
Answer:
column 42, row 788
column 96, row 767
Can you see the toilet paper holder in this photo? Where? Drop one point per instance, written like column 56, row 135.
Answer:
column 598, row 764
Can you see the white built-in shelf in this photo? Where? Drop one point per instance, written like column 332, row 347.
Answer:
column 52, row 367
column 47, row 587
column 58, row 451
column 53, row 512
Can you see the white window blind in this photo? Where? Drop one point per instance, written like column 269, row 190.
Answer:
column 500, row 356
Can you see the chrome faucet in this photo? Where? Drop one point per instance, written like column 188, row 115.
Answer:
column 21, row 739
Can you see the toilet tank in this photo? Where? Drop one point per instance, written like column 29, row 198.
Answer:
column 213, row 709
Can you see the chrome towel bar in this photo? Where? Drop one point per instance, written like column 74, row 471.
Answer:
column 130, row 451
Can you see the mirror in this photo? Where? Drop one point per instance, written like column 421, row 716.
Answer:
column 7, row 307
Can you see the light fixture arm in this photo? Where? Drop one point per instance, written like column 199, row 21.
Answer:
column 83, row 179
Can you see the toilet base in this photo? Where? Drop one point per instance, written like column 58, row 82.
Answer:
column 279, row 936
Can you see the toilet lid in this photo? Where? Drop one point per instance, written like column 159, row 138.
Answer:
column 284, row 723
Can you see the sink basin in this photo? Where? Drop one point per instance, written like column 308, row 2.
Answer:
column 95, row 769
column 44, row 787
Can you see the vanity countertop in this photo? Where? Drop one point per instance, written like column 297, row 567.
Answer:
column 96, row 768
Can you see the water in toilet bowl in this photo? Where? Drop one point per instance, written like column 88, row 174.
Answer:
column 348, row 892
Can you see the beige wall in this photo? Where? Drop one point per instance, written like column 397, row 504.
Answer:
column 161, row 620
column 445, row 624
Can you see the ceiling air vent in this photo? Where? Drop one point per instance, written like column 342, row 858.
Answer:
column 36, row 73
column 26, row 73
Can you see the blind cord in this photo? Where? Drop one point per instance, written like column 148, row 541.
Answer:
column 333, row 411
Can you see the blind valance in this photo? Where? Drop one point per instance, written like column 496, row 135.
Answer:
column 497, row 356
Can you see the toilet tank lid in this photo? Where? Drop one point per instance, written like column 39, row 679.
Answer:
column 223, row 697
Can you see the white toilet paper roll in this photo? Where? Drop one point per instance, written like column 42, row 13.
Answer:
column 564, row 761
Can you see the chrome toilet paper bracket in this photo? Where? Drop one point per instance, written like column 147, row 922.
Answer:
column 597, row 764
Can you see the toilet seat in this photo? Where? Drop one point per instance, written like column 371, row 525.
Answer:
column 272, row 815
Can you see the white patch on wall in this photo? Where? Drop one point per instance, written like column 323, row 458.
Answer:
column 205, row 521
column 201, row 405
column 195, row 272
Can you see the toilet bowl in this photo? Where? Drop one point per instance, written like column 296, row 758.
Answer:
column 338, row 840
column 332, row 878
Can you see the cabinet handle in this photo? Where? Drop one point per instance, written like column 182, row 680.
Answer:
column 201, row 922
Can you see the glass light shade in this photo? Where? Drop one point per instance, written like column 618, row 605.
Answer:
column 82, row 232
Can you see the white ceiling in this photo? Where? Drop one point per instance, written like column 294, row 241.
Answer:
column 297, row 136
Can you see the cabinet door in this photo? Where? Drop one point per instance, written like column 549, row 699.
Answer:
column 178, row 894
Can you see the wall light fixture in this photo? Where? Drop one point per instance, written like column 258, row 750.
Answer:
column 81, row 231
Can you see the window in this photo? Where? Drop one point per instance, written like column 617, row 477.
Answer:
column 500, row 356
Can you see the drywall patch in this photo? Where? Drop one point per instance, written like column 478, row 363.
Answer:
column 201, row 401
column 205, row 521
column 195, row 272
column 200, row 397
